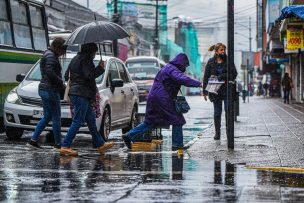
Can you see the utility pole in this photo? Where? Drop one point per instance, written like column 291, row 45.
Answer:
column 156, row 30
column 249, row 55
column 115, row 20
column 88, row 4
column 230, row 64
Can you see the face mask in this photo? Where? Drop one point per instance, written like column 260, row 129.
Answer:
column 222, row 56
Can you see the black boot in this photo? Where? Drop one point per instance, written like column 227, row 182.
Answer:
column 217, row 125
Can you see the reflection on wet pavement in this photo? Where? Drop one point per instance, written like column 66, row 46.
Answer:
column 153, row 175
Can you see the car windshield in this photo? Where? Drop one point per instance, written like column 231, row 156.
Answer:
column 35, row 73
column 142, row 70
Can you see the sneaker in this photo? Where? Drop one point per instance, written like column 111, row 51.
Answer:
column 127, row 141
column 64, row 151
column 102, row 149
column 175, row 148
column 33, row 144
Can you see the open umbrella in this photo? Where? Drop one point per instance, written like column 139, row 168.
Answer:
column 96, row 31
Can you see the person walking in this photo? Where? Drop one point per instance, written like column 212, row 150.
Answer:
column 287, row 85
column 217, row 68
column 51, row 86
column 82, row 93
column 160, row 108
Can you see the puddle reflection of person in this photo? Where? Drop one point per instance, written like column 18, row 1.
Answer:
column 177, row 167
column 229, row 180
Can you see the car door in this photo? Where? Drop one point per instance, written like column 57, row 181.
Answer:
column 117, row 99
column 127, row 88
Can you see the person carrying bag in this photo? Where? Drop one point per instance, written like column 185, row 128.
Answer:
column 216, row 72
column 161, row 109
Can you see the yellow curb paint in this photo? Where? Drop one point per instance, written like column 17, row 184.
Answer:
column 278, row 169
column 157, row 142
column 143, row 146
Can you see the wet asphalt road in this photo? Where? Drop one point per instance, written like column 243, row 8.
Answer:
column 155, row 175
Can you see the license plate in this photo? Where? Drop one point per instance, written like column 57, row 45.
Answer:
column 37, row 114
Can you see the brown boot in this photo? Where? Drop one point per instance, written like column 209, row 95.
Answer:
column 102, row 149
column 64, row 151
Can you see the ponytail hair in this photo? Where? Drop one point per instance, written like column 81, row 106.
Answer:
column 217, row 46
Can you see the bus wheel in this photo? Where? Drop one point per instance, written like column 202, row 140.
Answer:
column 13, row 133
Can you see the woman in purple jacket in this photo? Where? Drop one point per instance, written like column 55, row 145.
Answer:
column 160, row 109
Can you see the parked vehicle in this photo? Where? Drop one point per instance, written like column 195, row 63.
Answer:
column 143, row 70
column 23, row 38
column 119, row 101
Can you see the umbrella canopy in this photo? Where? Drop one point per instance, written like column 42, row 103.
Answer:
column 292, row 11
column 96, row 32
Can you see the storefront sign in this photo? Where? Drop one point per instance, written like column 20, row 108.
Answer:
column 295, row 37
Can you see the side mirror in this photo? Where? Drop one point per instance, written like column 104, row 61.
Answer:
column 116, row 83
column 20, row 77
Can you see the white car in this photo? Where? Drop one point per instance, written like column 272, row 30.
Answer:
column 119, row 101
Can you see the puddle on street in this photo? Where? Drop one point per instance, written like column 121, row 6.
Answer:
column 157, row 174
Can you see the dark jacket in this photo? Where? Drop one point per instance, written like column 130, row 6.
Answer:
column 82, row 76
column 51, row 76
column 287, row 83
column 211, row 70
column 160, row 109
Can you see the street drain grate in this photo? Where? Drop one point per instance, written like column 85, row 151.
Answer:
column 259, row 146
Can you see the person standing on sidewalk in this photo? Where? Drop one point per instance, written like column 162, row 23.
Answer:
column 287, row 85
column 160, row 108
column 51, row 86
column 217, row 67
column 82, row 93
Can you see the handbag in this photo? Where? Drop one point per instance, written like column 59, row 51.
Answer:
column 181, row 104
column 66, row 91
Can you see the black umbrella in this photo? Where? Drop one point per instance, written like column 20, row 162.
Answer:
column 97, row 31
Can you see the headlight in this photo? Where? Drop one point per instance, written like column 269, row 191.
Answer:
column 12, row 97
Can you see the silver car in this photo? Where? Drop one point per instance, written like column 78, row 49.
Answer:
column 119, row 101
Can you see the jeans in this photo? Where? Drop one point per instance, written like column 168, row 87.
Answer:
column 286, row 96
column 82, row 113
column 217, row 104
column 141, row 129
column 51, row 111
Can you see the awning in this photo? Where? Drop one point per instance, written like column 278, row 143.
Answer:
column 292, row 11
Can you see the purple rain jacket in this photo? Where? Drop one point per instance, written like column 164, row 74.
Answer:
column 160, row 109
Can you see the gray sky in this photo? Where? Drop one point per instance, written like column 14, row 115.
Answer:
column 208, row 12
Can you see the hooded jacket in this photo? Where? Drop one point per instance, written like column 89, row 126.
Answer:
column 160, row 109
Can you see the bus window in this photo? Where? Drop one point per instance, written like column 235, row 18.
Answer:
column 5, row 29
column 21, row 27
column 37, row 27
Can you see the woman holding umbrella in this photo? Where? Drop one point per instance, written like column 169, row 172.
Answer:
column 82, row 93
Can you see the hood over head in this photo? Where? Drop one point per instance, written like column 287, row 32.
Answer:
column 181, row 61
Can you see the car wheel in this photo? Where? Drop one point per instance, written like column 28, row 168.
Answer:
column 2, row 127
column 105, row 127
column 13, row 133
column 132, row 123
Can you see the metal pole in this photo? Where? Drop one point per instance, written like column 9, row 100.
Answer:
column 156, row 30
column 115, row 20
column 249, row 55
column 88, row 3
column 230, row 64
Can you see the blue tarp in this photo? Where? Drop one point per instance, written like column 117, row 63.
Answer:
column 292, row 11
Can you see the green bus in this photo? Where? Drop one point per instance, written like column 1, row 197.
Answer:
column 23, row 38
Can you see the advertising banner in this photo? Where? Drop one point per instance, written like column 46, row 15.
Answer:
column 295, row 37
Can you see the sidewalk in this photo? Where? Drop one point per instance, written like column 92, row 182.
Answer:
column 268, row 133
